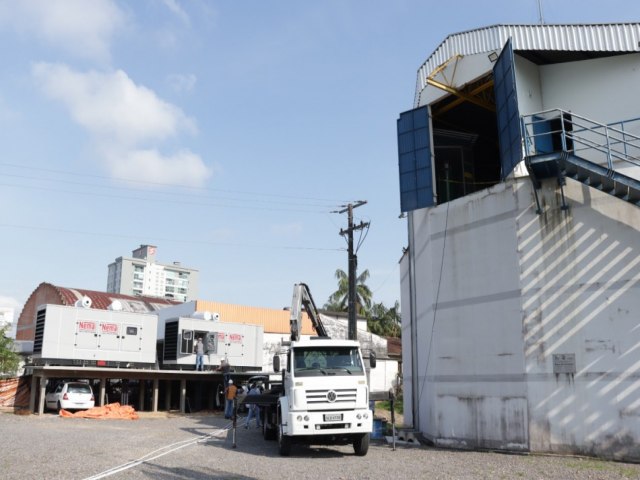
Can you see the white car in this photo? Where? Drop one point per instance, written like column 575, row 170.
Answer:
column 70, row 396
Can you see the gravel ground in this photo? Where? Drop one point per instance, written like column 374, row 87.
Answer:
column 200, row 447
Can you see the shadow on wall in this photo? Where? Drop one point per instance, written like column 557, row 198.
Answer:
column 580, row 280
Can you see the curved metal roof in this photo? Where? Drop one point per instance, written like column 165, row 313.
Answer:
column 608, row 38
column 102, row 300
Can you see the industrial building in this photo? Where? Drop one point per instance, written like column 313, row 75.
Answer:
column 62, row 332
column 141, row 275
column 519, row 167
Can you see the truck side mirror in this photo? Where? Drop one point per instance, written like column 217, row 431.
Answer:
column 276, row 363
column 372, row 359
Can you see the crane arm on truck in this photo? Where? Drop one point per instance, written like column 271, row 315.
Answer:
column 302, row 298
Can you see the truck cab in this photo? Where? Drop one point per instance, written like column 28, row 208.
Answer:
column 324, row 395
column 327, row 394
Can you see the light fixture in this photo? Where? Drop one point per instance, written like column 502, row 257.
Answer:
column 493, row 56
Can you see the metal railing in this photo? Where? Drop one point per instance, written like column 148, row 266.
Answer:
column 616, row 145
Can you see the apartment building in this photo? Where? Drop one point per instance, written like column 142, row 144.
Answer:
column 141, row 275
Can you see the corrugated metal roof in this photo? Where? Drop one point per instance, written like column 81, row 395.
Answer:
column 102, row 300
column 273, row 320
column 611, row 37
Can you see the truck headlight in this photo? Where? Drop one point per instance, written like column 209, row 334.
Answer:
column 306, row 418
column 299, row 418
column 365, row 415
column 359, row 416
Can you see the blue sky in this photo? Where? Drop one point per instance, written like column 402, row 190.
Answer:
column 224, row 132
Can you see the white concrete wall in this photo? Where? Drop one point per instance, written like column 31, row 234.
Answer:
column 528, row 87
column 469, row 384
column 515, row 289
column 603, row 90
column 580, row 277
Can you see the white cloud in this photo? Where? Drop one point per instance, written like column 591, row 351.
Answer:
column 126, row 121
column 111, row 105
column 182, row 83
column 175, row 7
column 80, row 27
column 181, row 168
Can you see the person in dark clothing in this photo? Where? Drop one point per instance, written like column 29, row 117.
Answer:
column 254, row 410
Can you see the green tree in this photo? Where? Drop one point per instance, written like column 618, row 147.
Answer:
column 339, row 300
column 9, row 360
column 385, row 321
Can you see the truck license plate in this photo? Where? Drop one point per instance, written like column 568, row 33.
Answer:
column 332, row 417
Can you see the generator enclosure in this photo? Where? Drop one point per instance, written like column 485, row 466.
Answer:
column 239, row 343
column 69, row 335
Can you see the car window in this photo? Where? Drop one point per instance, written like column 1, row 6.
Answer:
column 78, row 388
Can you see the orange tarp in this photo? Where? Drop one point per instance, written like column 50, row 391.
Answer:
column 112, row 411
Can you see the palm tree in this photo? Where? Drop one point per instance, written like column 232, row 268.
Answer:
column 339, row 300
column 385, row 321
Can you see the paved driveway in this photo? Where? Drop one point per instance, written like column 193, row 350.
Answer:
column 200, row 447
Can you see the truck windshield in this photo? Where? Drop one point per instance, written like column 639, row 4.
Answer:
column 313, row 361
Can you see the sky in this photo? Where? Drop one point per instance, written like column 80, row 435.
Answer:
column 226, row 133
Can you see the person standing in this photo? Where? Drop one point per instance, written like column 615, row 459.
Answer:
column 230, row 395
column 199, row 355
column 225, row 368
column 254, row 410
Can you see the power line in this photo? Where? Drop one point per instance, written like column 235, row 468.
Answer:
column 175, row 194
column 171, row 185
column 183, row 202
column 174, row 240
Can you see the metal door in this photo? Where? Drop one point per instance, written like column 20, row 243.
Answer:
column 415, row 160
column 508, row 116
column 131, row 338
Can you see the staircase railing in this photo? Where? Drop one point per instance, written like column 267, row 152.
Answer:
column 615, row 145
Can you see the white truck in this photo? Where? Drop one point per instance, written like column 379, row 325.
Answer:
column 324, row 396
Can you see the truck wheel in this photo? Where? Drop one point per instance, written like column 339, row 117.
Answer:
column 284, row 443
column 361, row 445
column 268, row 432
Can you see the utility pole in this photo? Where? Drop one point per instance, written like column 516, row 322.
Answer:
column 353, row 264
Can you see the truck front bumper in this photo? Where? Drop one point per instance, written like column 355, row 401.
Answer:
column 338, row 422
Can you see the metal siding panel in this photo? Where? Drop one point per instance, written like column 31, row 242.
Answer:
column 616, row 37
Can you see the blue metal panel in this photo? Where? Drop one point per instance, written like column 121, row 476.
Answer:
column 542, row 134
column 414, row 160
column 509, row 133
